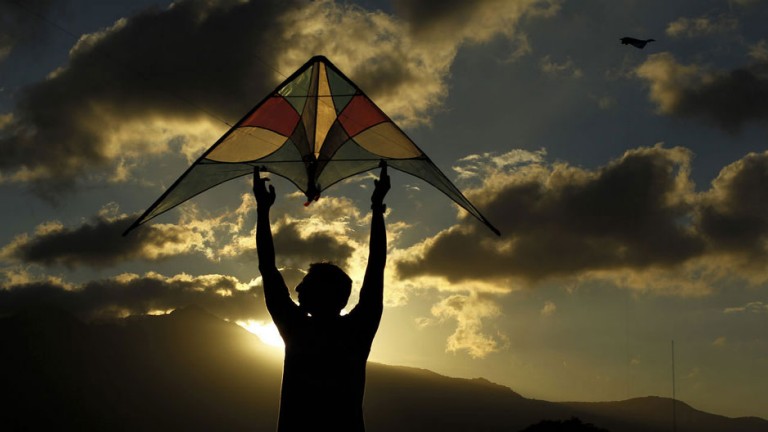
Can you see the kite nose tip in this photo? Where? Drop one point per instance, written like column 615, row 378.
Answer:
column 309, row 201
column 312, row 193
column 311, row 196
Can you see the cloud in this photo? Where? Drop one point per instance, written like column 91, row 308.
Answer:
column 759, row 51
column 402, row 61
column 315, row 246
column 603, row 102
column 744, row 3
column 131, row 294
column 5, row 119
column 636, row 223
column 548, row 309
column 19, row 24
column 725, row 99
column 20, row 275
column 444, row 26
column 99, row 243
column 321, row 235
column 475, row 22
column 131, row 90
column 144, row 70
column 696, row 277
column 476, row 166
column 702, row 26
column 561, row 221
column 469, row 313
column 733, row 215
column 565, row 69
column 405, row 77
column 668, row 80
column 694, row 372
column 751, row 307
column 331, row 229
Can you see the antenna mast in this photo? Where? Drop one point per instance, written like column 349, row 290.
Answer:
column 674, row 400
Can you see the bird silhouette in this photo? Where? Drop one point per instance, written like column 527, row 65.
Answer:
column 637, row 43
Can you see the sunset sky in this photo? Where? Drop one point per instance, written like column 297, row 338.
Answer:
column 630, row 186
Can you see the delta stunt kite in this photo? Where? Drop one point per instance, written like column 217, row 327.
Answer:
column 315, row 129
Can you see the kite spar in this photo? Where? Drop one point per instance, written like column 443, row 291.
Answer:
column 315, row 129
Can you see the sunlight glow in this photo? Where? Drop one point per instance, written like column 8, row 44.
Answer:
column 157, row 312
column 266, row 331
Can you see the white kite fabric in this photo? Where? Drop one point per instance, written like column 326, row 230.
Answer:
column 315, row 129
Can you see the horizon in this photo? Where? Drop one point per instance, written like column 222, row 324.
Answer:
column 629, row 184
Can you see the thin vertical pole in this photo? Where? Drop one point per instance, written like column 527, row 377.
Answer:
column 674, row 398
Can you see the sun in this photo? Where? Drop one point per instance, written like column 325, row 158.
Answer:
column 266, row 331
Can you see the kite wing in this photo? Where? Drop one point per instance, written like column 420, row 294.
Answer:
column 315, row 129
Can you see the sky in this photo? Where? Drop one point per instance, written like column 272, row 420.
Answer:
column 628, row 184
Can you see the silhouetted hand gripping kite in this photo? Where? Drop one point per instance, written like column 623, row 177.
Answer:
column 325, row 352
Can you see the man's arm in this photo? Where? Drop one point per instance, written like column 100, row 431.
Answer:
column 278, row 299
column 372, row 292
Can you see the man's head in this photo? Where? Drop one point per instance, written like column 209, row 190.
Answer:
column 324, row 290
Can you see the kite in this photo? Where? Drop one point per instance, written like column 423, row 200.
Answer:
column 637, row 43
column 315, row 129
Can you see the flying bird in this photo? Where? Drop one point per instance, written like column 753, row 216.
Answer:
column 637, row 43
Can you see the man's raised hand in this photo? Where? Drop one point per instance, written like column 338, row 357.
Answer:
column 381, row 187
column 264, row 198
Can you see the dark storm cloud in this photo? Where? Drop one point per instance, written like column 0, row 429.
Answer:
column 199, row 59
column 133, row 295
column 317, row 246
column 425, row 14
column 565, row 221
column 727, row 100
column 730, row 100
column 99, row 243
column 18, row 23
column 293, row 249
column 181, row 62
column 734, row 215
column 474, row 20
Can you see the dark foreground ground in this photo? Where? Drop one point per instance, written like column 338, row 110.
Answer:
column 194, row 372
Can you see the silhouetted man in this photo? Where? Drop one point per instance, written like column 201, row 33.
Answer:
column 325, row 352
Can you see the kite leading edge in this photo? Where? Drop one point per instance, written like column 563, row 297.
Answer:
column 315, row 129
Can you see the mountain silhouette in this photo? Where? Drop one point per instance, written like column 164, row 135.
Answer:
column 192, row 371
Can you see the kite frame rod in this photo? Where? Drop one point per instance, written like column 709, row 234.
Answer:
column 456, row 190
